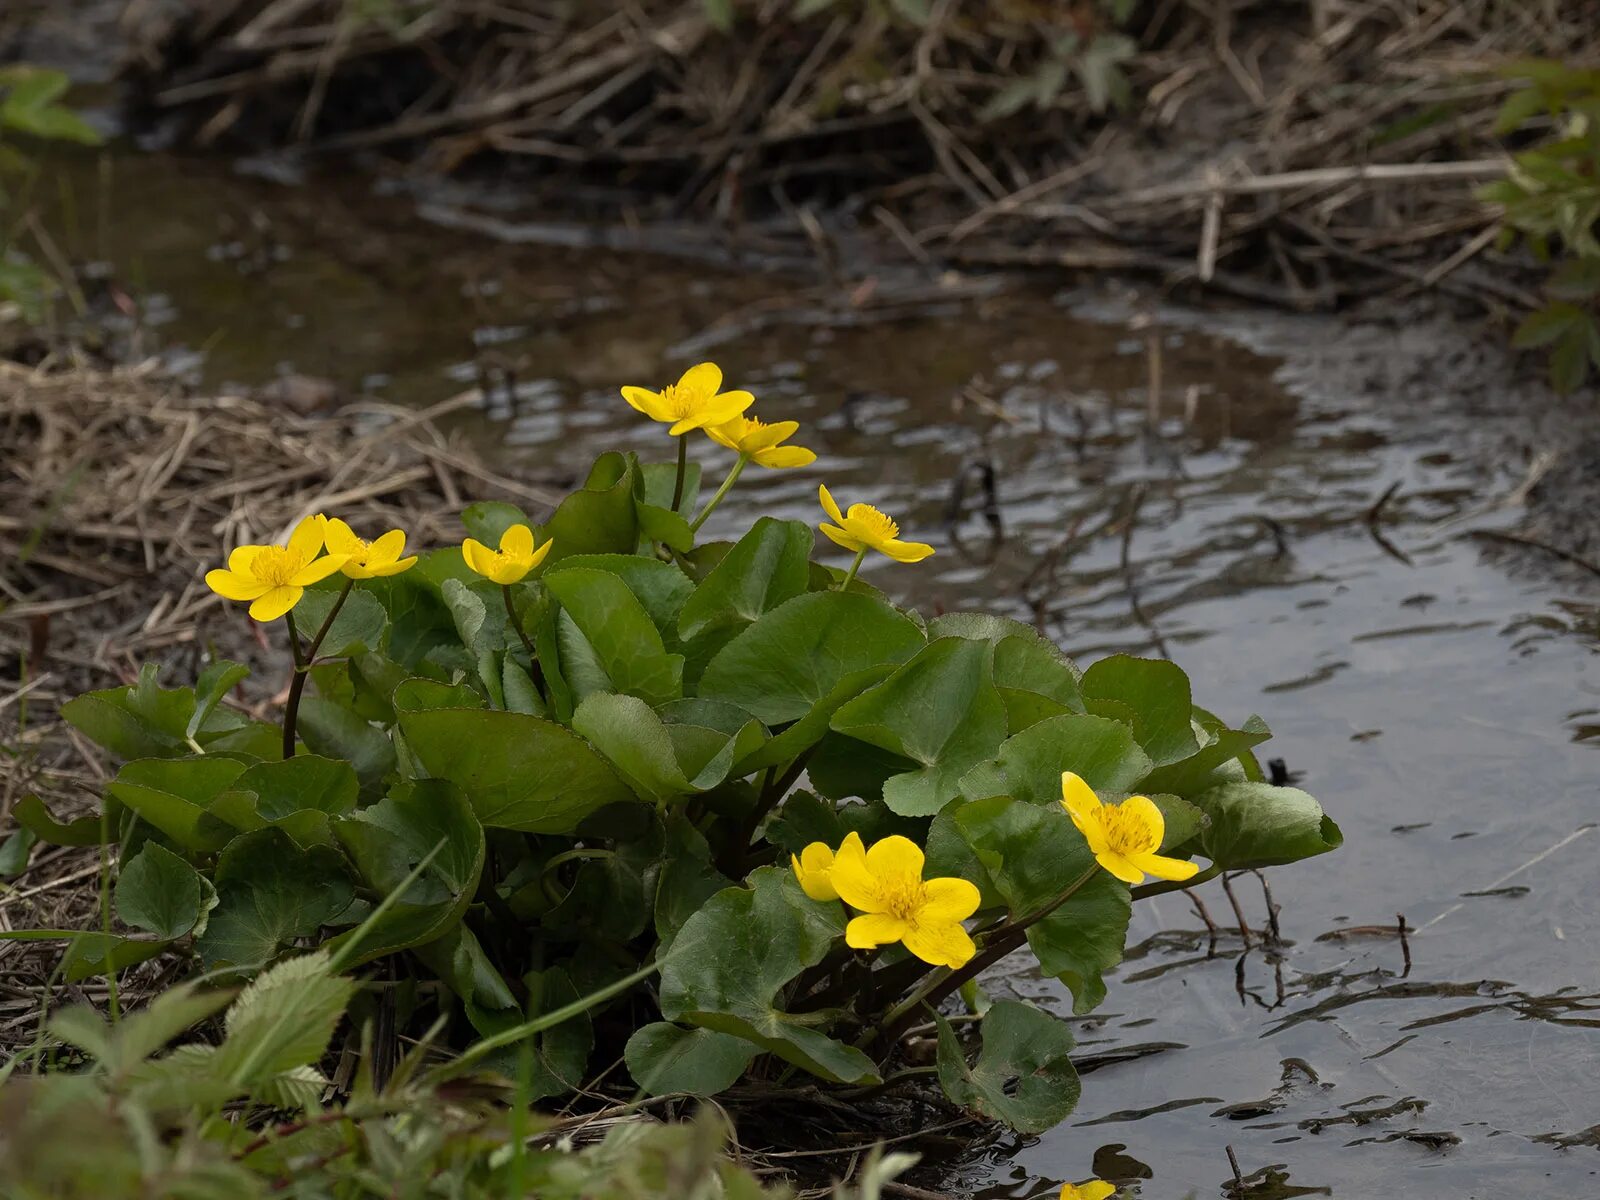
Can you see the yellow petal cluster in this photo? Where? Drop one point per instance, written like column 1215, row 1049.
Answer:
column 885, row 885
column 1095, row 1189
column 512, row 561
column 865, row 528
column 1122, row 837
column 273, row 578
column 759, row 442
column 694, row 402
column 367, row 560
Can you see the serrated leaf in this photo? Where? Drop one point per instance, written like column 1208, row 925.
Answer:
column 664, row 1058
column 1023, row 1074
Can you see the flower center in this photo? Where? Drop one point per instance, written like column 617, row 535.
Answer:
column 276, row 565
column 872, row 522
column 903, row 898
column 1127, row 831
column 679, row 401
column 358, row 551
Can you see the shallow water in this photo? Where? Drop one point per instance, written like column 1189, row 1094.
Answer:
column 1442, row 709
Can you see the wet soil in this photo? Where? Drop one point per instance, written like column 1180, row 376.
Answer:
column 1438, row 693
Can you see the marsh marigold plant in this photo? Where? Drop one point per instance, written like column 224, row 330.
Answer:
column 765, row 822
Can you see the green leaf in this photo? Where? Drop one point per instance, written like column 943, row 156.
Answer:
column 1024, row 856
column 1157, row 693
column 1030, row 763
column 517, row 771
column 269, row 892
column 1203, row 768
column 283, row 1020
column 31, row 813
column 161, row 894
column 940, row 710
column 486, row 521
column 1259, row 825
column 1023, row 1075
column 142, row 721
column 173, row 795
column 687, row 878
column 386, row 841
column 770, row 564
column 599, row 518
column 790, row 659
column 359, row 626
column 561, row 1052
column 731, row 959
column 1547, row 325
column 664, row 1058
column 215, row 682
column 307, row 781
column 661, row 588
column 622, row 643
column 14, row 852
column 91, row 955
column 630, row 734
column 458, row 959
column 334, row 731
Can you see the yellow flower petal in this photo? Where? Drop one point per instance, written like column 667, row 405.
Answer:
column 701, row 381
column 517, row 542
column 811, row 868
column 478, row 557
column 307, row 538
column 340, row 538
column 764, row 437
column 895, row 861
column 780, row 457
column 949, row 899
column 851, row 877
column 273, row 603
column 828, row 506
column 651, row 404
column 1120, row 867
column 1078, row 798
column 317, row 570
column 242, row 558
column 398, row 566
column 385, row 549
column 1095, row 1189
column 232, row 586
column 539, row 554
column 1163, row 867
column 1144, row 823
column 943, row 945
column 906, row 552
column 842, row 538
column 874, row 929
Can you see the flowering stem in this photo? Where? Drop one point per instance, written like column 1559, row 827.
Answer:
column 302, row 665
column 1002, row 942
column 535, row 672
column 850, row 575
column 722, row 491
column 683, row 470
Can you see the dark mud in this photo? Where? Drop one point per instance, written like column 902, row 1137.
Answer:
column 1291, row 519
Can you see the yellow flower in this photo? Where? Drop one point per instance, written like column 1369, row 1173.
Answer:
column 1095, row 1189
column 368, row 560
column 515, row 558
column 885, row 883
column 273, row 578
column 758, row 441
column 812, row 867
column 692, row 402
column 1123, row 837
column 865, row 528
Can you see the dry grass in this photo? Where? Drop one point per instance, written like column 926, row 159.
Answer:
column 1305, row 153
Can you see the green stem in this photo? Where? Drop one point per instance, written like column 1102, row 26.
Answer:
column 548, row 878
column 1176, row 885
column 722, row 491
column 535, row 671
column 303, row 663
column 683, row 470
column 850, row 575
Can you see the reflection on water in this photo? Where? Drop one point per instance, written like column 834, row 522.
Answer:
column 1440, row 708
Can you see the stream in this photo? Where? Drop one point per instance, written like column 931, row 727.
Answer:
column 1441, row 699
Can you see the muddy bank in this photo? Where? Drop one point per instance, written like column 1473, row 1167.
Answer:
column 1296, row 154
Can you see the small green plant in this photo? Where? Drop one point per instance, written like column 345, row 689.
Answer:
column 568, row 756
column 1551, row 199
column 30, row 107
